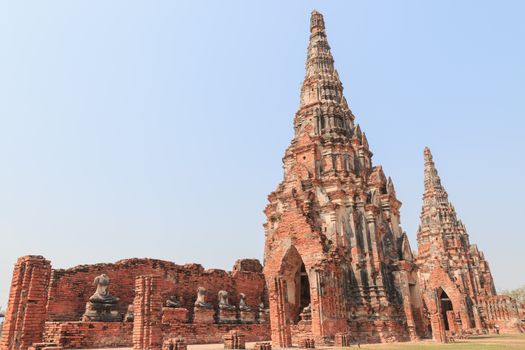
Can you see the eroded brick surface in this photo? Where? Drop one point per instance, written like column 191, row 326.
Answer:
column 26, row 310
column 178, row 343
column 333, row 238
column 78, row 335
column 147, row 325
column 234, row 340
column 337, row 266
column 459, row 296
column 213, row 333
column 71, row 288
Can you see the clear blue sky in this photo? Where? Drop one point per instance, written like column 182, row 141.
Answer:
column 156, row 129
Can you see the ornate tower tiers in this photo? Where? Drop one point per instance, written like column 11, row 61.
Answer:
column 444, row 242
column 456, row 277
column 336, row 259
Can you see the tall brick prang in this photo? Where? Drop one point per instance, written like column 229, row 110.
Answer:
column 453, row 272
column 26, row 312
column 335, row 254
column 147, row 325
column 338, row 268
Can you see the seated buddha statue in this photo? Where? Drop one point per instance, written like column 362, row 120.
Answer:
column 224, row 303
column 102, row 306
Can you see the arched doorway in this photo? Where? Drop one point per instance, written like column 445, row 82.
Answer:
column 304, row 290
column 293, row 272
column 446, row 305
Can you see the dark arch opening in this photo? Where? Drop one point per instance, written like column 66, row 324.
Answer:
column 446, row 305
column 304, row 295
column 294, row 273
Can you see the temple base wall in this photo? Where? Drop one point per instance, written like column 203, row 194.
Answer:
column 513, row 326
column 213, row 333
column 89, row 334
column 359, row 331
column 77, row 335
column 378, row 331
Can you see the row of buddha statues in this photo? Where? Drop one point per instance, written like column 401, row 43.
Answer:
column 203, row 312
column 103, row 307
column 223, row 297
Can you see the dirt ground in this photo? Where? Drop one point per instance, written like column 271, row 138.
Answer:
column 483, row 342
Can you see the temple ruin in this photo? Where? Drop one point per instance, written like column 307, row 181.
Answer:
column 459, row 290
column 130, row 303
column 338, row 268
column 333, row 240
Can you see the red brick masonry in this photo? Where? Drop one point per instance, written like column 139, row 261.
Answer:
column 71, row 288
column 39, row 293
column 338, row 266
column 119, row 334
column 89, row 334
column 26, row 311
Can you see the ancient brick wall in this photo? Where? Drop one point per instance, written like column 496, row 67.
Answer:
column 82, row 335
column 378, row 331
column 71, row 288
column 459, row 289
column 25, row 315
column 502, row 313
column 91, row 335
column 59, row 296
column 333, row 237
column 213, row 333
column 147, row 332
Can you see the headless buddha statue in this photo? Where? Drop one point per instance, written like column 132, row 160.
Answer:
column 102, row 306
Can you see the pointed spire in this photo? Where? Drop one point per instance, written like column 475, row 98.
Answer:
column 427, row 154
column 358, row 132
column 364, row 140
column 432, row 180
column 316, row 21
column 319, row 59
column 390, row 189
column 322, row 91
